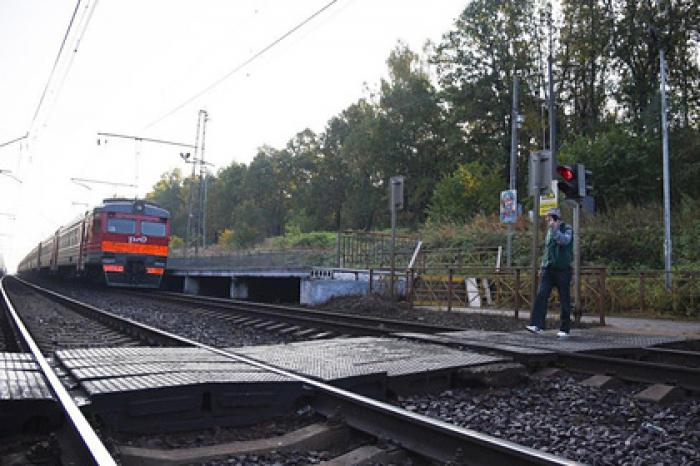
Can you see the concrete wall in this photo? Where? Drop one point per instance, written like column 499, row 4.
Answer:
column 191, row 285
column 239, row 288
column 320, row 291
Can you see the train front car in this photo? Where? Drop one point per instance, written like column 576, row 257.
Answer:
column 127, row 242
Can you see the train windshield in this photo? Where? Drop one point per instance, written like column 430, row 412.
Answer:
column 152, row 229
column 121, row 225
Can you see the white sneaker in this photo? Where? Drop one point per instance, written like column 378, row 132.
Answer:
column 561, row 334
column 534, row 329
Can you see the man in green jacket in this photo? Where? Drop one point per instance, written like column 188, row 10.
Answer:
column 556, row 272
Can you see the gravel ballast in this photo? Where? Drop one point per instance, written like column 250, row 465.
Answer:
column 560, row 416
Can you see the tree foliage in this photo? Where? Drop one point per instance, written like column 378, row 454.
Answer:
column 442, row 119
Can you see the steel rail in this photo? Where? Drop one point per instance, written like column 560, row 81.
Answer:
column 593, row 362
column 333, row 320
column 94, row 448
column 639, row 371
column 414, row 432
column 658, row 355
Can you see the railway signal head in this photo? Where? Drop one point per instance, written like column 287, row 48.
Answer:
column 585, row 181
column 568, row 182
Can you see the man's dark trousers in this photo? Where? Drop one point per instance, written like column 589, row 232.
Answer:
column 561, row 279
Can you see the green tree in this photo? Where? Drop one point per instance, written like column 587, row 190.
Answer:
column 491, row 40
column 410, row 122
column 637, row 60
column 472, row 189
column 168, row 193
column 584, row 58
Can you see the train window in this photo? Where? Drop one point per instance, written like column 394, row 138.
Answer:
column 97, row 224
column 121, row 225
column 152, row 229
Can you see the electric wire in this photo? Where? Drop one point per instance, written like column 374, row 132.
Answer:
column 242, row 65
column 81, row 28
column 55, row 64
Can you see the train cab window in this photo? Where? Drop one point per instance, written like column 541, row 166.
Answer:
column 121, row 225
column 152, row 229
column 97, row 224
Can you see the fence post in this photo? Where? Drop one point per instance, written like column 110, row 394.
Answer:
column 371, row 280
column 409, row 287
column 601, row 295
column 641, row 292
column 517, row 293
column 449, row 289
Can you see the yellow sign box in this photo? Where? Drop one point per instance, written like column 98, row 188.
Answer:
column 550, row 199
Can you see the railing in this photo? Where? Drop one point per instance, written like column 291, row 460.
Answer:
column 602, row 292
column 256, row 259
column 457, row 258
column 644, row 292
column 373, row 250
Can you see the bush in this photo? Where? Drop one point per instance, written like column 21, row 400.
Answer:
column 312, row 240
column 176, row 243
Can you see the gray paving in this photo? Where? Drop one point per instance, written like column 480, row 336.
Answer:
column 580, row 340
column 20, row 378
column 109, row 370
column 688, row 329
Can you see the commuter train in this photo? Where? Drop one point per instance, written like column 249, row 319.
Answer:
column 122, row 242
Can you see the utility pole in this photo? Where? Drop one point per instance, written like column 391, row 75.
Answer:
column 195, row 225
column 203, row 179
column 667, row 183
column 396, row 199
column 552, row 107
column 514, row 125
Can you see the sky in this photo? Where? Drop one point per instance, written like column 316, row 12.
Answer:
column 128, row 66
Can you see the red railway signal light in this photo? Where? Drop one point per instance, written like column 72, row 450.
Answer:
column 568, row 183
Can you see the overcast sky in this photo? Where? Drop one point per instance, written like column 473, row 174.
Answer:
column 138, row 60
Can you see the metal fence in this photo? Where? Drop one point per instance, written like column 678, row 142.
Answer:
column 373, row 250
column 602, row 292
column 256, row 259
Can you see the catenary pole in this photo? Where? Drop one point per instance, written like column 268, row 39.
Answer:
column 667, row 183
column 513, row 162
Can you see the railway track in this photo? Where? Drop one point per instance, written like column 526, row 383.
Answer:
column 648, row 365
column 422, row 435
column 262, row 315
column 88, row 448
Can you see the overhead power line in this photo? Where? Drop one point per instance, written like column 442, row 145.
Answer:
column 55, row 63
column 82, row 25
column 139, row 138
column 243, row 64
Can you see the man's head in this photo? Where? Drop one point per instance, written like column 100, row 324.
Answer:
column 553, row 214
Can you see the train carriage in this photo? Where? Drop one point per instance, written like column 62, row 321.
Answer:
column 123, row 242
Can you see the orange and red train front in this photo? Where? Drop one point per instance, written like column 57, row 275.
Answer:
column 131, row 240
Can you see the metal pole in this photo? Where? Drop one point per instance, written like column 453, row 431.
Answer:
column 513, row 162
column 190, row 194
column 577, row 261
column 203, row 176
column 535, row 241
column 667, row 187
column 552, row 113
column 393, row 241
column 337, row 248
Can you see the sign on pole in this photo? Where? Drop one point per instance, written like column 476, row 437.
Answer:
column 549, row 199
column 539, row 171
column 509, row 206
